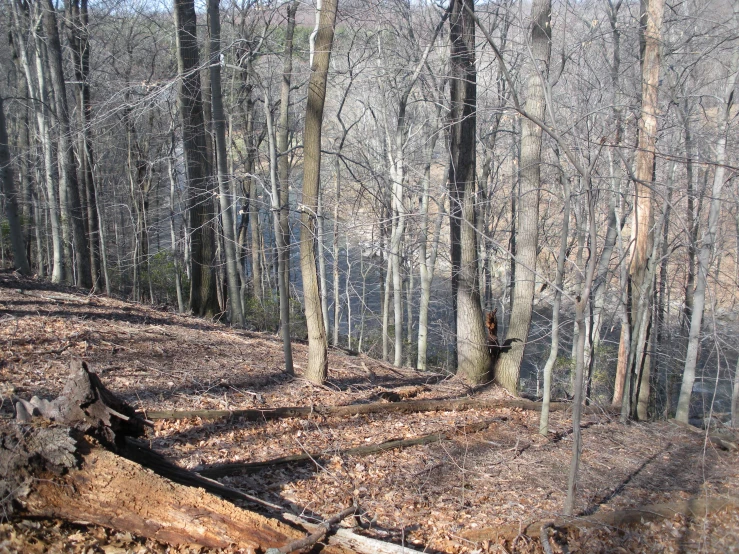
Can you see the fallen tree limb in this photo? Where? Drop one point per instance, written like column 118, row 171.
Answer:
column 694, row 507
column 724, row 441
column 346, row 538
column 239, row 468
column 320, row 532
column 409, row 406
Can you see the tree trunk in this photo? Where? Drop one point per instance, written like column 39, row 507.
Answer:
column 8, row 189
column 509, row 367
column 317, row 368
column 558, row 282
column 78, row 34
column 219, row 124
column 69, row 185
column 708, row 241
column 203, row 299
column 650, row 38
column 40, row 96
column 279, row 237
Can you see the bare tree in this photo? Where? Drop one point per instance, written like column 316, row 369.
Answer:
column 322, row 40
column 203, row 299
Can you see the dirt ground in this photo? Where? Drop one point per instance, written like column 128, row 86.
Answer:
column 430, row 497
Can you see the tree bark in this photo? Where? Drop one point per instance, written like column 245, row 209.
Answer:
column 509, row 366
column 317, row 367
column 69, row 184
column 650, row 38
column 203, row 299
column 219, row 124
column 7, row 183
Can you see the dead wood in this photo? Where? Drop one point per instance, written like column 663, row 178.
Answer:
column 317, row 535
column 409, row 406
column 346, row 538
column 240, row 468
column 724, row 440
column 694, row 507
column 66, row 459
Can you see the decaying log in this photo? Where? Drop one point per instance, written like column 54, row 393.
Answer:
column 240, row 468
column 65, row 459
column 694, row 507
column 409, row 406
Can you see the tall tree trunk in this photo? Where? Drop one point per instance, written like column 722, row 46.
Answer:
column 78, row 35
column 203, row 299
column 172, row 227
column 40, row 95
column 317, row 368
column 335, row 244
column 283, row 170
column 224, row 186
column 69, row 184
column 279, row 238
column 708, row 241
column 509, row 366
column 473, row 359
column 650, row 38
column 7, row 183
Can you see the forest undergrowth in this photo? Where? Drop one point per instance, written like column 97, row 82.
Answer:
column 467, row 493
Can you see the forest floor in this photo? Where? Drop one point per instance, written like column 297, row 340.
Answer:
column 439, row 497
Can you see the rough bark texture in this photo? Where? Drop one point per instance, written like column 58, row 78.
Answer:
column 317, row 368
column 509, row 367
column 203, row 299
column 473, row 359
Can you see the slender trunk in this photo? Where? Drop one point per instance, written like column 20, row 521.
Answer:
column 203, row 297
column 347, row 287
column 581, row 303
column 337, row 293
column 321, row 220
column 708, row 241
column 172, row 228
column 283, row 161
column 7, row 183
column 317, row 367
column 558, row 281
column 219, row 124
column 279, row 237
column 509, row 366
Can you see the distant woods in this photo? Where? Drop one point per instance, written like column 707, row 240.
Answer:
column 379, row 176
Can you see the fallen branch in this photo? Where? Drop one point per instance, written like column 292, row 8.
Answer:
column 723, row 441
column 410, row 406
column 239, row 468
column 694, row 507
column 316, row 536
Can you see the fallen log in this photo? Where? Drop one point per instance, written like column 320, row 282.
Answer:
column 240, row 468
column 408, row 406
column 66, row 459
column 694, row 507
column 723, row 440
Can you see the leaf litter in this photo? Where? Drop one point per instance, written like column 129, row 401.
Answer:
column 427, row 497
